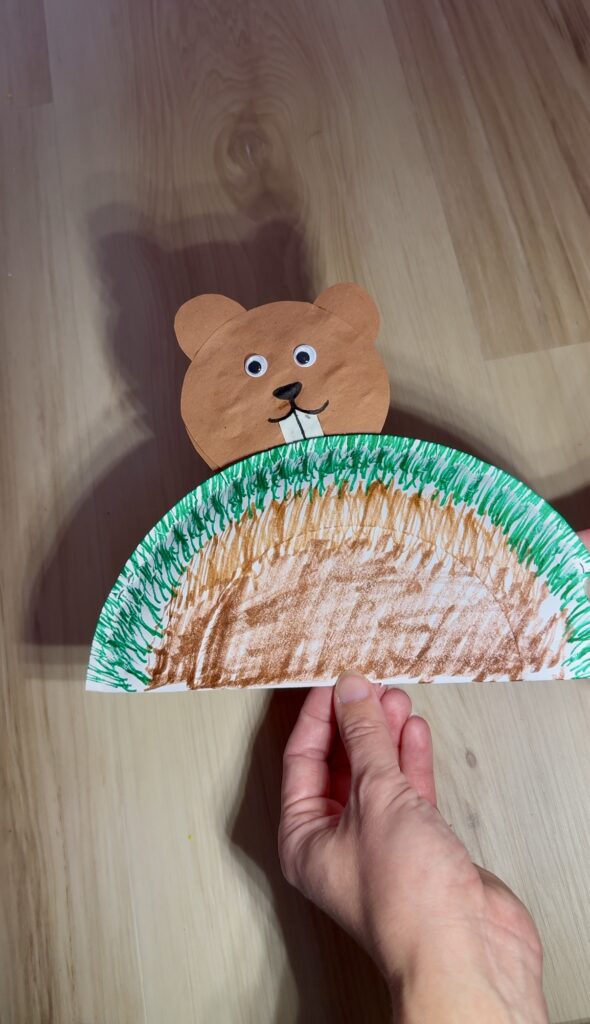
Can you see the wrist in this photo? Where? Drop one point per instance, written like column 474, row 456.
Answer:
column 463, row 981
column 449, row 998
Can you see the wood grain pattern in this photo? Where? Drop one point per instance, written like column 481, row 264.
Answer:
column 438, row 153
column 25, row 73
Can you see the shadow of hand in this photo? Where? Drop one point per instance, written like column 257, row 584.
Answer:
column 335, row 980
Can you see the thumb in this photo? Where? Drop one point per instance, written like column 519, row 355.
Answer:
column 363, row 727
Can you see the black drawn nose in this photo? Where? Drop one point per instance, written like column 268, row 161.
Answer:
column 288, row 392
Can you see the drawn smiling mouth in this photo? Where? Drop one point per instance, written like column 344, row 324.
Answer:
column 298, row 423
column 297, row 408
column 289, row 393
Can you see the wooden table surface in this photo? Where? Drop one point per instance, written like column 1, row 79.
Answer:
column 436, row 151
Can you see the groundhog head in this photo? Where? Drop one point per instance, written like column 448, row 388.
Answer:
column 280, row 372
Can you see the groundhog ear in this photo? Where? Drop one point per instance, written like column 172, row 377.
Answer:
column 354, row 305
column 199, row 318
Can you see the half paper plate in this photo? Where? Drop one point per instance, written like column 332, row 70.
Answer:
column 409, row 561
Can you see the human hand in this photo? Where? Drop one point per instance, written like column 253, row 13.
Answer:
column 360, row 835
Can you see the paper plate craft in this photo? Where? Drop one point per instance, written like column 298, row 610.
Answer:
column 331, row 547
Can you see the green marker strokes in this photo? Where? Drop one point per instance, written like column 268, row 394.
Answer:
column 132, row 617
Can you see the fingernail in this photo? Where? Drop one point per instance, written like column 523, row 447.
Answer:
column 351, row 687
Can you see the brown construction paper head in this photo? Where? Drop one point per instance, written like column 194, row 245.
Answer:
column 280, row 372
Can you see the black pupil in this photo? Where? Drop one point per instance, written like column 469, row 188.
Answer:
column 255, row 366
column 303, row 358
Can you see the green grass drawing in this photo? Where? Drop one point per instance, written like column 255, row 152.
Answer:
column 132, row 615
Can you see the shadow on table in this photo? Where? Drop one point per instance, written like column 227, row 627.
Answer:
column 144, row 281
column 575, row 509
column 335, row 980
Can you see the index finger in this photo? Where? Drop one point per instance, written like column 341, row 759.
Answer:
column 305, row 761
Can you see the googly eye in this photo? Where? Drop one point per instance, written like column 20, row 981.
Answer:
column 256, row 366
column 305, row 355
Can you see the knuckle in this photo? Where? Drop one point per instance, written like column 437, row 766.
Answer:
column 288, row 860
column 373, row 784
column 288, row 869
column 305, row 862
column 359, row 731
column 294, row 854
column 287, row 757
column 380, row 790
